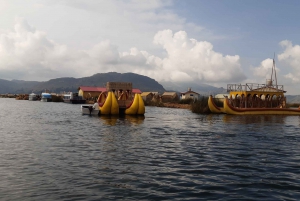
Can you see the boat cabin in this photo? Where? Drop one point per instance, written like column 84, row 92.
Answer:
column 32, row 97
column 46, row 97
column 252, row 95
column 73, row 98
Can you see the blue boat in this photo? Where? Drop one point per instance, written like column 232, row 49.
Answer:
column 46, row 97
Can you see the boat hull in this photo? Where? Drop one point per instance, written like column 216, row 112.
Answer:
column 46, row 100
column 106, row 107
column 74, row 101
column 141, row 110
column 109, row 105
column 89, row 110
column 133, row 109
column 213, row 107
column 229, row 109
column 32, row 98
column 137, row 107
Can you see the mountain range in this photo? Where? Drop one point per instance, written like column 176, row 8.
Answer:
column 67, row 84
column 202, row 89
column 292, row 99
column 141, row 82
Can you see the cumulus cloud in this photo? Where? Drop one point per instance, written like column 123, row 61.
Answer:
column 127, row 23
column 287, row 67
column 291, row 56
column 197, row 59
column 264, row 70
column 292, row 77
column 27, row 53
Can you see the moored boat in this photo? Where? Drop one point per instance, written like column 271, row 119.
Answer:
column 230, row 109
column 32, row 97
column 213, row 107
column 255, row 99
column 119, row 99
column 90, row 109
column 73, row 98
column 108, row 104
column 46, row 97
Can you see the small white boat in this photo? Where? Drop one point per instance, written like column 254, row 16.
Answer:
column 73, row 98
column 32, row 97
column 90, row 109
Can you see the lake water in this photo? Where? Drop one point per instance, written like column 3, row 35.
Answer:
column 49, row 151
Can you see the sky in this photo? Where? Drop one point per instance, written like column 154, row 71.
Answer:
column 200, row 41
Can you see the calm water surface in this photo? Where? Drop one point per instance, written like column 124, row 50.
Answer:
column 49, row 151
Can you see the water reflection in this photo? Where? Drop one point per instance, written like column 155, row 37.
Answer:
column 113, row 120
column 134, row 119
column 108, row 120
column 254, row 119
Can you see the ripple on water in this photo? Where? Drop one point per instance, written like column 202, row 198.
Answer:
column 49, row 151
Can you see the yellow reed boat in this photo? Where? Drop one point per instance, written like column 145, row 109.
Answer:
column 112, row 106
column 254, row 99
column 213, row 107
column 264, row 103
column 118, row 99
column 229, row 109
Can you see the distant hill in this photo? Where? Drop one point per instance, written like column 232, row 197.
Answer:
column 58, row 85
column 67, row 84
column 202, row 89
column 292, row 99
column 16, row 86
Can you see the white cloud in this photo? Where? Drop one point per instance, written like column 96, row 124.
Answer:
column 197, row 59
column 291, row 56
column 287, row 68
column 104, row 52
column 83, row 37
column 265, row 69
column 29, row 52
column 292, row 77
column 126, row 23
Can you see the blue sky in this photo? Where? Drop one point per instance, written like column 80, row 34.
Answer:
column 250, row 28
column 194, row 41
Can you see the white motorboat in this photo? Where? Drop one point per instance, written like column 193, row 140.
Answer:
column 73, row 98
column 90, row 109
column 32, row 97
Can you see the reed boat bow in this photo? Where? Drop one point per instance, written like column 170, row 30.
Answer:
column 213, row 107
